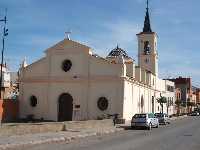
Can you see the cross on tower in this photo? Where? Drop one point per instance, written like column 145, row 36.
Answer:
column 147, row 4
column 5, row 18
column 68, row 34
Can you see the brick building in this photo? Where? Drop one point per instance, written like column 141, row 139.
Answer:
column 185, row 85
column 198, row 96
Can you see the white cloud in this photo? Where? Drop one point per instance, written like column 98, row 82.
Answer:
column 113, row 33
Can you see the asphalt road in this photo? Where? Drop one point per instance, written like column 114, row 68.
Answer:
column 182, row 134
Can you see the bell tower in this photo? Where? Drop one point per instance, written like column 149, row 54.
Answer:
column 147, row 46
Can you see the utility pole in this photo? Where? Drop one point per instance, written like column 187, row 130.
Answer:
column 5, row 33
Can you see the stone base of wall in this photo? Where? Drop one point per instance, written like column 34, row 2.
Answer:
column 9, row 129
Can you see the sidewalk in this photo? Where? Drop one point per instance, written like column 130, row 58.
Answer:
column 179, row 117
column 17, row 141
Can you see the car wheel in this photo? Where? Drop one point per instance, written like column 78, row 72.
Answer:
column 157, row 125
column 150, row 126
column 132, row 127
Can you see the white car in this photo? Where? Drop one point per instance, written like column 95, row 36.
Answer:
column 195, row 113
column 147, row 120
column 163, row 118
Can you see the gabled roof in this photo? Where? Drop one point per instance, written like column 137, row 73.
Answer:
column 67, row 44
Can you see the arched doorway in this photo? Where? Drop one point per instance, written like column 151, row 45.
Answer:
column 65, row 107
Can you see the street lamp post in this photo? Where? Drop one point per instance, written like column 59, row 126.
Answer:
column 5, row 33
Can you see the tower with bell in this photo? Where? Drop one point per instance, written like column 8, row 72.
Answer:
column 147, row 46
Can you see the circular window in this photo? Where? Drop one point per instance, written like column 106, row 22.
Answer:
column 102, row 103
column 33, row 101
column 66, row 65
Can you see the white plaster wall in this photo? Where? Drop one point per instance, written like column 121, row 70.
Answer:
column 143, row 76
column 132, row 99
column 112, row 90
column 26, row 91
column 138, row 74
column 170, row 96
column 36, row 69
column 130, row 70
column 101, row 67
column 6, row 79
column 129, row 103
column 79, row 64
column 78, row 93
column 160, row 84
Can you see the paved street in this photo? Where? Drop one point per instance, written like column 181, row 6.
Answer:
column 182, row 134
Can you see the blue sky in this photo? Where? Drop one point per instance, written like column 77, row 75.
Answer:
column 35, row 25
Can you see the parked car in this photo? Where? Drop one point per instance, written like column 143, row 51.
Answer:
column 163, row 118
column 147, row 120
column 194, row 113
column 197, row 109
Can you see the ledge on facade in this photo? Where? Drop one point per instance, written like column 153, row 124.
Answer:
column 146, row 33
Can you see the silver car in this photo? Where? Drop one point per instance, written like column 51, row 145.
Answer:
column 163, row 118
column 147, row 120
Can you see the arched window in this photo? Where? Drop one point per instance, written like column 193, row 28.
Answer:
column 142, row 104
column 147, row 47
column 33, row 101
column 142, row 101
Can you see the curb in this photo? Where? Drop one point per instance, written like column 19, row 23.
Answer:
column 56, row 140
column 177, row 118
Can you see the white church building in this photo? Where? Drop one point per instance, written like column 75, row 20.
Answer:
column 73, row 83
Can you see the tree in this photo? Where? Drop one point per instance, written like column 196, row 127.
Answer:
column 178, row 104
column 190, row 104
column 162, row 100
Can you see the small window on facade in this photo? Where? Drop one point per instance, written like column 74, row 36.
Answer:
column 66, row 65
column 33, row 101
column 102, row 103
column 146, row 60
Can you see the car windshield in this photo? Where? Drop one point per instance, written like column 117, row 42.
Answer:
column 159, row 115
column 139, row 116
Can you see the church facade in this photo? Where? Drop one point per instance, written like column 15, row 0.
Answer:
column 73, row 83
